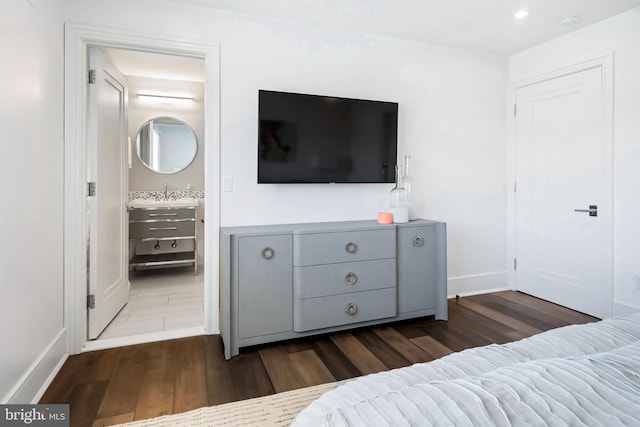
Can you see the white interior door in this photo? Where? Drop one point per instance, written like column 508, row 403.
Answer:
column 107, row 209
column 563, row 165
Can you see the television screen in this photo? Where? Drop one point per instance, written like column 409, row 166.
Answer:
column 323, row 139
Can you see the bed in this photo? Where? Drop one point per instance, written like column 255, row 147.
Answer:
column 575, row 375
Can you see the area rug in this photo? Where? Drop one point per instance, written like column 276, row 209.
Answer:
column 274, row 410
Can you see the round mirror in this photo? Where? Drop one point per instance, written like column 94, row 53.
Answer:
column 166, row 145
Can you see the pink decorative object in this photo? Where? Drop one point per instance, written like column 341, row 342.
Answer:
column 385, row 218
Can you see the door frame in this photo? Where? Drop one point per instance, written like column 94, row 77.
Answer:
column 605, row 61
column 77, row 39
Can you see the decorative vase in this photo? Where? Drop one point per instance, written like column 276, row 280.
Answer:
column 408, row 182
column 398, row 202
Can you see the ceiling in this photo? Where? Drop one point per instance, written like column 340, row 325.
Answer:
column 484, row 25
column 156, row 65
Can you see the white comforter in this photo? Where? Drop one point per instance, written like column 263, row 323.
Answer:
column 577, row 375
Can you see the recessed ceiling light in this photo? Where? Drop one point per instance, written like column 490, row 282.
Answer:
column 521, row 14
column 570, row 20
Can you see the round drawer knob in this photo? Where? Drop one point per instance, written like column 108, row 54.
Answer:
column 351, row 248
column 267, row 253
column 418, row 241
column 351, row 278
column 351, row 309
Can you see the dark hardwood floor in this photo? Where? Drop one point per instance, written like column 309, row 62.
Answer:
column 148, row 380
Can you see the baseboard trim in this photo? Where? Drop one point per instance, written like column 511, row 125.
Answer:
column 484, row 291
column 476, row 284
column 38, row 377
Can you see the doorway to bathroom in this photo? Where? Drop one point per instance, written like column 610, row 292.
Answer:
column 166, row 299
column 165, row 198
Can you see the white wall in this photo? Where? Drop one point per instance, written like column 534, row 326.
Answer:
column 452, row 121
column 620, row 35
column 31, row 216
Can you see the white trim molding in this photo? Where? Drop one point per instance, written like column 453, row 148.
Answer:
column 143, row 338
column 41, row 373
column 477, row 284
column 77, row 39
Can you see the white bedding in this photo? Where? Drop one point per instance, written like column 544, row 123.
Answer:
column 577, row 375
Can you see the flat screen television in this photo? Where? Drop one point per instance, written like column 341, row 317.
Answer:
column 324, row 139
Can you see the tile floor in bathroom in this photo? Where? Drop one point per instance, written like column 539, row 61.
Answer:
column 160, row 300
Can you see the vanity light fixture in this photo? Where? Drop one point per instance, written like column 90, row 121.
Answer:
column 521, row 14
column 166, row 99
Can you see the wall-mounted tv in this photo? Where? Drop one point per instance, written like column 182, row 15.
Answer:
column 324, row 139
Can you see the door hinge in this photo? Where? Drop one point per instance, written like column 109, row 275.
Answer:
column 515, row 109
column 515, row 186
column 91, row 302
column 92, row 77
column 515, row 263
column 91, row 189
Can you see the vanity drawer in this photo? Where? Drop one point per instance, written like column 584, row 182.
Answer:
column 328, row 248
column 161, row 213
column 162, row 229
column 330, row 279
column 343, row 309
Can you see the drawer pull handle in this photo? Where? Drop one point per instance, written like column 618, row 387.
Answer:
column 351, row 279
column 351, row 248
column 351, row 309
column 418, row 241
column 162, row 228
column 268, row 253
column 163, row 214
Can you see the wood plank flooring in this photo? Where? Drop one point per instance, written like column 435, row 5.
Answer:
column 148, row 380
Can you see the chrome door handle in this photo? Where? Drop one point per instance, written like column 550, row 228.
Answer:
column 592, row 211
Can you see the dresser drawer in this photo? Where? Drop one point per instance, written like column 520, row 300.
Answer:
column 328, row 248
column 162, row 229
column 344, row 309
column 161, row 213
column 330, row 279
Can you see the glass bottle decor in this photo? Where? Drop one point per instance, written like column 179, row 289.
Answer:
column 408, row 182
column 398, row 202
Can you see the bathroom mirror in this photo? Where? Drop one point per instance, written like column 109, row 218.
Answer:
column 166, row 145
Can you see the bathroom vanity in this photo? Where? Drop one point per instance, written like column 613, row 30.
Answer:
column 164, row 233
column 287, row 281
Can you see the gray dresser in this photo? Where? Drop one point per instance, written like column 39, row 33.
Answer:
column 287, row 281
